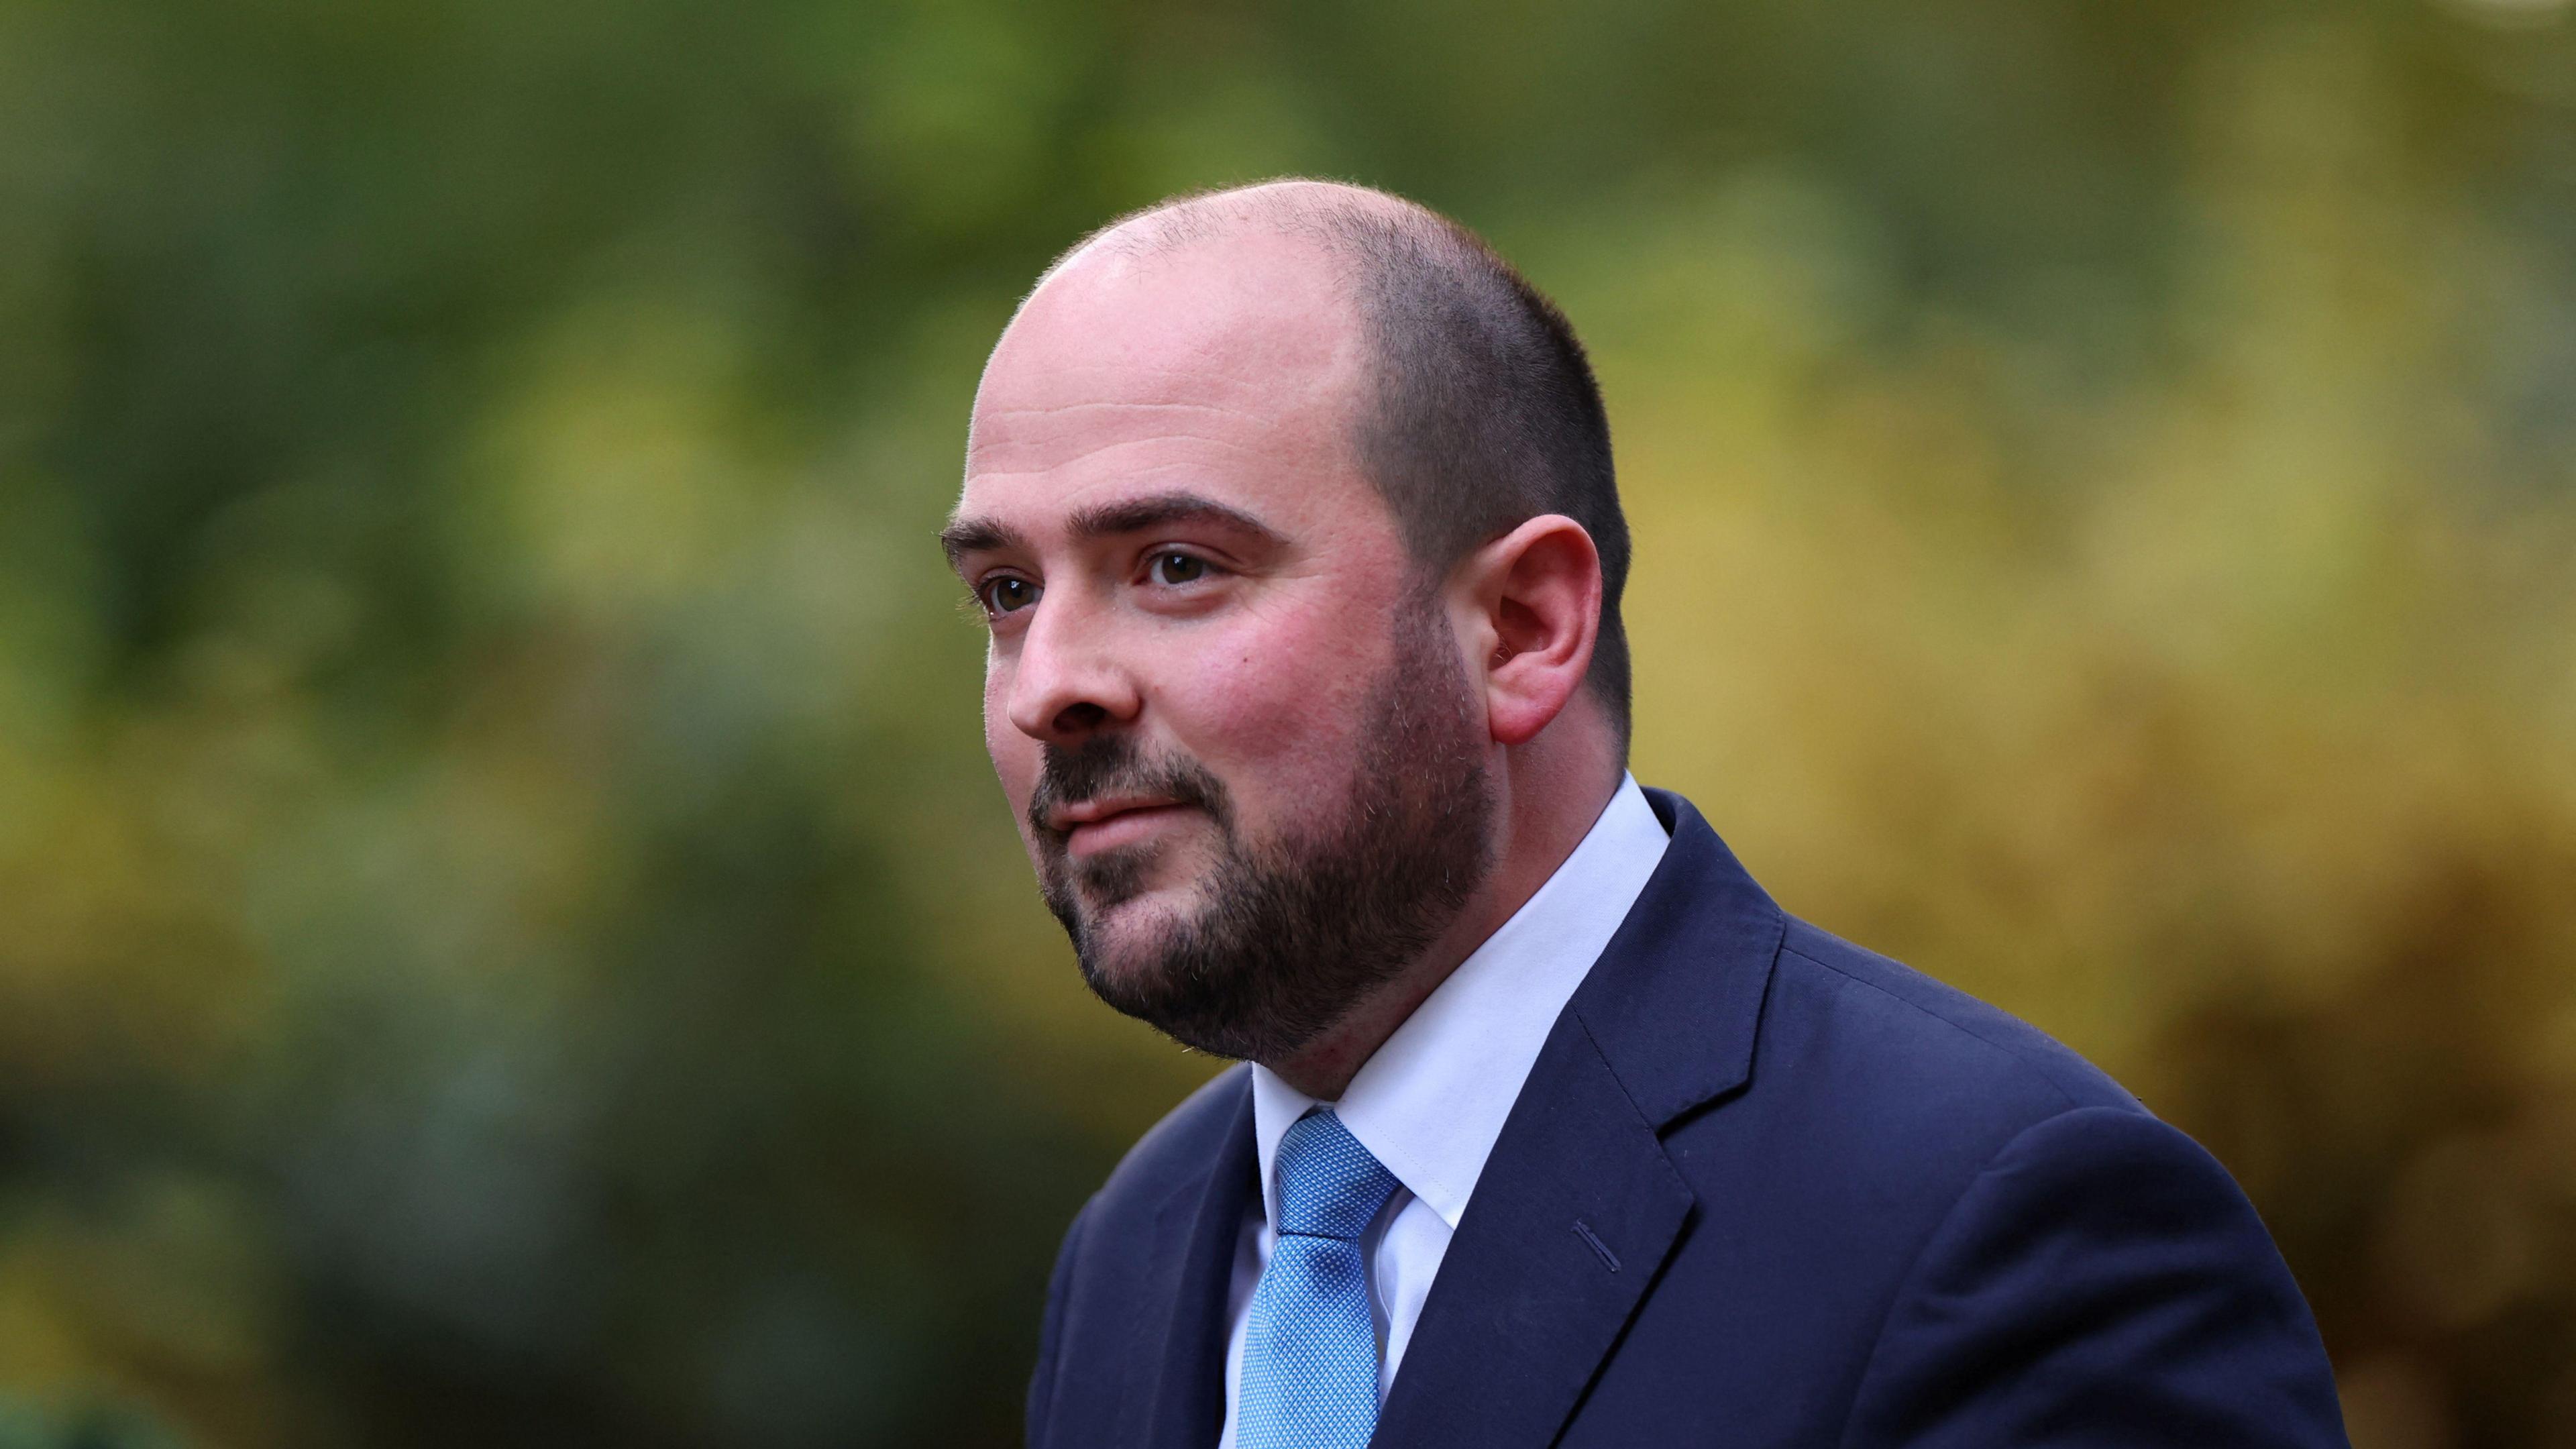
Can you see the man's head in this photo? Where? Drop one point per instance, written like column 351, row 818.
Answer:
column 1292, row 513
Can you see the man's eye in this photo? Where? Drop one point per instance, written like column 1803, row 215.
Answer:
column 1008, row 595
column 1178, row 568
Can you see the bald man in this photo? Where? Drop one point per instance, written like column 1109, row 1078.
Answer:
column 1292, row 514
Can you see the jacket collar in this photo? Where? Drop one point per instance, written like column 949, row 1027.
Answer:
column 1677, row 994
column 1579, row 1206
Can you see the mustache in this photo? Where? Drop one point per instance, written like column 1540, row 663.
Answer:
column 1114, row 765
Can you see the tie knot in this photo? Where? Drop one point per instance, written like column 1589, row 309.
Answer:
column 1329, row 1185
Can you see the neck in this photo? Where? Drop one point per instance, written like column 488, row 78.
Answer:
column 1549, row 805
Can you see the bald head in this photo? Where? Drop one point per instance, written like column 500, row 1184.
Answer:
column 1470, row 406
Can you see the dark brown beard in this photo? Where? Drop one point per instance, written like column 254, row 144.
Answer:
column 1295, row 931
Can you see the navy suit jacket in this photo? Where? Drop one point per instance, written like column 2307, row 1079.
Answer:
column 1761, row 1188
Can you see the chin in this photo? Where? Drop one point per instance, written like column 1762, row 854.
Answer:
column 1122, row 953
column 1129, row 935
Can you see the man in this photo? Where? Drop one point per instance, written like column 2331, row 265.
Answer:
column 1292, row 514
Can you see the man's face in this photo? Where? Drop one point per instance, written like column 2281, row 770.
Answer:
column 1228, row 710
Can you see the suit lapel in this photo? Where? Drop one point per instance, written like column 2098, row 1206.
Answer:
column 1181, row 1320
column 1547, row 1265
column 1578, row 1207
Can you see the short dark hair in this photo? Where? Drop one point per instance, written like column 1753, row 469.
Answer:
column 1485, row 413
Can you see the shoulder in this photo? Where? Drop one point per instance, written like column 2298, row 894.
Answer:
column 1121, row 1230
column 1895, row 1028
column 1112, row 1249
column 2191, row 1327
column 1176, row 1151
column 2008, row 1238
column 1877, row 1096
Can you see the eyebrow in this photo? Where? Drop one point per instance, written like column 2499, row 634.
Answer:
column 1104, row 520
column 963, row 536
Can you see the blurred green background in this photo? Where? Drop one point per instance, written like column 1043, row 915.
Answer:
column 507, row 935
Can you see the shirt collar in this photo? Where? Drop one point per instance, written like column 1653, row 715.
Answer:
column 1431, row 1102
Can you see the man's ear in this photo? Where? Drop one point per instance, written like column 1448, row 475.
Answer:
column 1537, row 596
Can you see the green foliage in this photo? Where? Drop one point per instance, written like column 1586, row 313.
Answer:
column 506, row 932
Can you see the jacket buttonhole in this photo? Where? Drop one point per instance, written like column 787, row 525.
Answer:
column 1584, row 1230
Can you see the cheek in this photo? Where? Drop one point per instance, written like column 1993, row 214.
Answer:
column 1281, row 691
column 1014, row 755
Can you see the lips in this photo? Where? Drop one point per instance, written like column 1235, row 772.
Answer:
column 1102, row 807
column 1092, row 826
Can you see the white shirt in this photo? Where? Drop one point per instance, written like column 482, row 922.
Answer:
column 1431, row 1102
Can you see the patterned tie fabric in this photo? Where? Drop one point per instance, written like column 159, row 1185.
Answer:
column 1310, row 1352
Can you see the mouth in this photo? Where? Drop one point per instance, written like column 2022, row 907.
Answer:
column 1093, row 826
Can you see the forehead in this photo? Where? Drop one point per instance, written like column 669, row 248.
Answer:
column 1229, row 368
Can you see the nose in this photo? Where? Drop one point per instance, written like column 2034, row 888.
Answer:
column 1067, row 683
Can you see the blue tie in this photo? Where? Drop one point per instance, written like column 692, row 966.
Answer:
column 1310, row 1352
